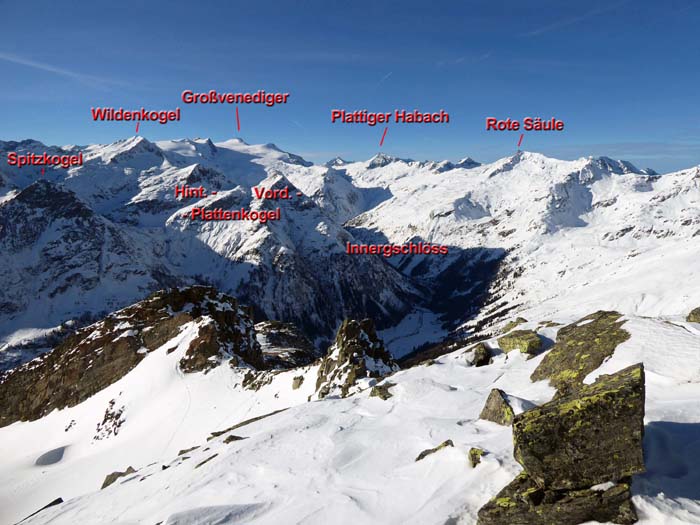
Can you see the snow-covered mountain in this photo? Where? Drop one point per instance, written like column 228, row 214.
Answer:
column 195, row 407
column 516, row 230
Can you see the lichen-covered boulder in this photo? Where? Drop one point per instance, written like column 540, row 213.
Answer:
column 523, row 502
column 482, row 355
column 694, row 316
column 475, row 454
column 590, row 437
column 497, row 408
column 512, row 324
column 527, row 341
column 382, row 391
column 357, row 356
column 580, row 348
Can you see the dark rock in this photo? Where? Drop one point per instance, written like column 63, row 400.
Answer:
column 382, row 391
column 497, row 408
column 114, row 476
column 482, row 355
column 527, row 341
column 232, row 438
column 186, row 450
column 587, row 438
column 243, row 423
column 205, row 461
column 284, row 346
column 523, row 502
column 581, row 348
column 475, row 456
column 356, row 354
column 297, row 381
column 429, row 451
column 694, row 316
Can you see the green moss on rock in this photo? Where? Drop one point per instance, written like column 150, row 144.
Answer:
column 429, row 451
column 522, row 502
column 580, row 348
column 512, row 324
column 527, row 341
column 482, row 355
column 590, row 437
column 497, row 408
column 475, row 454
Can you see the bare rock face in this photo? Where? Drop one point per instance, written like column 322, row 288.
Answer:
column 497, row 408
column 97, row 356
column 581, row 347
column 357, row 354
column 591, row 437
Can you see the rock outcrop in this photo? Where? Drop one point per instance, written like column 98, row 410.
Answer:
column 482, row 355
column 497, row 408
column 428, row 452
column 523, row 502
column 580, row 348
column 694, row 316
column 97, row 356
column 578, row 453
column 114, row 476
column 527, row 341
column 356, row 356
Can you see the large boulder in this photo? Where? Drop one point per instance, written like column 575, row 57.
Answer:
column 527, row 341
column 694, row 316
column 481, row 355
column 356, row 357
column 593, row 436
column 523, row 502
column 497, row 408
column 581, row 348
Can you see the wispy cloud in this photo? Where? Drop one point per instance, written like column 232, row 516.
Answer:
column 385, row 77
column 67, row 73
column 465, row 59
column 566, row 22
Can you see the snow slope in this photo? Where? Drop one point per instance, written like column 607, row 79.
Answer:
column 346, row 460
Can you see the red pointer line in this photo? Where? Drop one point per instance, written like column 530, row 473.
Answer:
column 42, row 170
column 238, row 120
column 521, row 140
column 381, row 142
column 137, row 127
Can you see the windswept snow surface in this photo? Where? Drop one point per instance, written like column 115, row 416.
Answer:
column 340, row 461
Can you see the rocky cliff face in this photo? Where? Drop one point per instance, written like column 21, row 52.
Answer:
column 102, row 353
column 356, row 357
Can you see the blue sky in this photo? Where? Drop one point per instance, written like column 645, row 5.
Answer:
column 623, row 75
